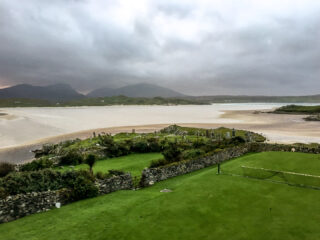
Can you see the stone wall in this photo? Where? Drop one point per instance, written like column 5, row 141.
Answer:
column 109, row 185
column 266, row 147
column 20, row 205
column 152, row 175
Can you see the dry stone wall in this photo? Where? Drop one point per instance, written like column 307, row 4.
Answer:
column 20, row 205
column 109, row 185
column 152, row 175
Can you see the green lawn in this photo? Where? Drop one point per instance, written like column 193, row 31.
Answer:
column 283, row 161
column 133, row 163
column 203, row 205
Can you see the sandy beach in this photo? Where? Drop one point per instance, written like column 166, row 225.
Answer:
column 23, row 130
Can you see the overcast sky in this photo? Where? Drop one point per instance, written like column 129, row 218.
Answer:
column 196, row 47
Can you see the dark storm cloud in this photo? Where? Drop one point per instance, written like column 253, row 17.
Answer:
column 195, row 47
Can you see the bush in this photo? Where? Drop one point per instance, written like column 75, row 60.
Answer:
column 115, row 172
column 101, row 175
column 83, row 186
column 71, row 158
column 36, row 165
column 198, row 143
column 80, row 182
column 140, row 146
column 172, row 152
column 6, row 168
column 154, row 145
column 193, row 153
column 158, row 163
column 113, row 149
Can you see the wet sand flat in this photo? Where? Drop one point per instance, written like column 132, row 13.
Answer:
column 28, row 129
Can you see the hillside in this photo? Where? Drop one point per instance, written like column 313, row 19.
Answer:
column 136, row 90
column 56, row 92
column 106, row 101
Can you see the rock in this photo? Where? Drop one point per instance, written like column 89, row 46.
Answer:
column 166, row 190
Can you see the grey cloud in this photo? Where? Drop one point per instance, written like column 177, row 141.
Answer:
column 44, row 42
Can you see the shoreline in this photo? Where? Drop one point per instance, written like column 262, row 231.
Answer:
column 278, row 128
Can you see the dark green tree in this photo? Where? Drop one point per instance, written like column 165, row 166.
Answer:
column 91, row 160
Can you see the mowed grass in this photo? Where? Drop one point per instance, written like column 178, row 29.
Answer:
column 203, row 205
column 282, row 161
column 133, row 163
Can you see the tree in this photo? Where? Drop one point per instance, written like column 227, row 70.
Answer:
column 91, row 160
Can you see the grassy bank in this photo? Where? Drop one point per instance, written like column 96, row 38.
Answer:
column 203, row 205
column 296, row 109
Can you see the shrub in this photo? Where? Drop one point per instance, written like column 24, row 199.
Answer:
column 71, row 158
column 80, row 182
column 172, row 152
column 237, row 140
column 123, row 149
column 112, row 149
column 83, row 186
column 101, row 175
column 198, row 143
column 6, row 168
column 115, row 172
column 192, row 153
column 140, row 146
column 36, row 165
column 154, row 145
column 158, row 163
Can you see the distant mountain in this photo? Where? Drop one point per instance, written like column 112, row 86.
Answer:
column 137, row 90
column 57, row 92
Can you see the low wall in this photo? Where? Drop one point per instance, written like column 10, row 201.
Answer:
column 109, row 185
column 152, row 175
column 20, row 205
column 266, row 147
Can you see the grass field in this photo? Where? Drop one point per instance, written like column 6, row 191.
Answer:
column 283, row 161
column 203, row 205
column 133, row 163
